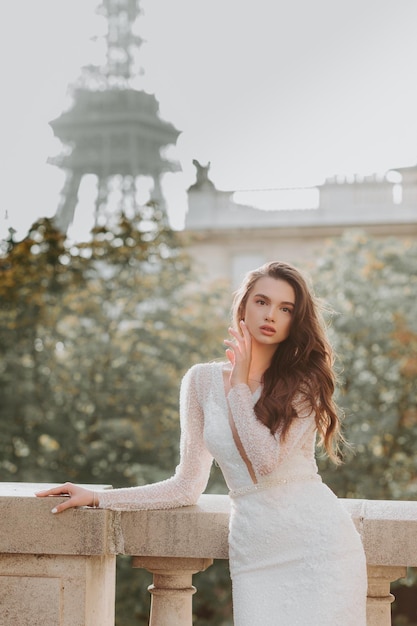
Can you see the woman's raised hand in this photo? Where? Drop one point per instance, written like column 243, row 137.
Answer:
column 78, row 496
column 239, row 353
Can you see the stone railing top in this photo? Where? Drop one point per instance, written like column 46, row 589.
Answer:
column 388, row 528
column 27, row 525
column 27, row 490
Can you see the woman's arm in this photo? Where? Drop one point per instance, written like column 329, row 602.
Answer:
column 184, row 488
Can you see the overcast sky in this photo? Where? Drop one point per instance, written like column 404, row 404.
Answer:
column 274, row 94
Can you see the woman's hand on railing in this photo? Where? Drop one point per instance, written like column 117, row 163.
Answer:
column 77, row 496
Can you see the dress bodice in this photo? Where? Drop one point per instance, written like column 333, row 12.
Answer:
column 273, row 460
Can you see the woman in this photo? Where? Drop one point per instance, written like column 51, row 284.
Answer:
column 296, row 558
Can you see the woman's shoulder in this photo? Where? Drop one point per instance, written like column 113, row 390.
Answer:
column 203, row 370
column 203, row 376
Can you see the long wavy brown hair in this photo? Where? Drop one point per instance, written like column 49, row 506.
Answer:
column 301, row 371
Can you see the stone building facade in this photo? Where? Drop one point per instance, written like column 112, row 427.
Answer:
column 227, row 239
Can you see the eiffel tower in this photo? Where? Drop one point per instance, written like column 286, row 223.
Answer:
column 112, row 130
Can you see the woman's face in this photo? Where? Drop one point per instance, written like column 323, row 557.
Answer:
column 269, row 310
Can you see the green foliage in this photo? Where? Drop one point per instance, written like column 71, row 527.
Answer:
column 95, row 340
column 371, row 286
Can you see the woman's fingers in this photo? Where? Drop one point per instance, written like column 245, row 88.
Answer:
column 246, row 335
column 236, row 341
column 239, row 353
column 241, row 346
column 64, row 505
column 244, row 328
column 232, row 347
column 230, row 355
column 78, row 496
column 61, row 490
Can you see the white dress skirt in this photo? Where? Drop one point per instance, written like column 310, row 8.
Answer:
column 296, row 559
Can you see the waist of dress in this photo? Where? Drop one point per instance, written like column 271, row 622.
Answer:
column 268, row 483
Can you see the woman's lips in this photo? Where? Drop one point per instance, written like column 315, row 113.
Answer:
column 267, row 330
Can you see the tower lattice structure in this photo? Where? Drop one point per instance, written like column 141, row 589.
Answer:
column 112, row 130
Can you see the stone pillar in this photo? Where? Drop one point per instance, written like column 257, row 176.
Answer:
column 378, row 608
column 55, row 570
column 172, row 589
column 51, row 590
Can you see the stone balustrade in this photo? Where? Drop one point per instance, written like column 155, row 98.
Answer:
column 59, row 570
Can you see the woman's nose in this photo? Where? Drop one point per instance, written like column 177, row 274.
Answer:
column 269, row 316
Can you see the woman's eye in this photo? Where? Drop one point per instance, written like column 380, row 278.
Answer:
column 260, row 302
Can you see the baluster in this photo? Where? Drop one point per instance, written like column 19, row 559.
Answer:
column 172, row 588
column 378, row 607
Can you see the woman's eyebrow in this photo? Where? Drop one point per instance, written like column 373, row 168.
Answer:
column 261, row 295
column 267, row 299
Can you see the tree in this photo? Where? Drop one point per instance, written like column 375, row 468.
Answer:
column 95, row 339
column 371, row 286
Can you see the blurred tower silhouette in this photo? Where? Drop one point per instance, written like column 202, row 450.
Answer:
column 112, row 130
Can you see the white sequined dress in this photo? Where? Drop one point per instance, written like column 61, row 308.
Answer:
column 296, row 558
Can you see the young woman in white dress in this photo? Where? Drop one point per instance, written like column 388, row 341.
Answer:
column 296, row 558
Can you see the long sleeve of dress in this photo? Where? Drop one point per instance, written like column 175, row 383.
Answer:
column 192, row 473
column 264, row 450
